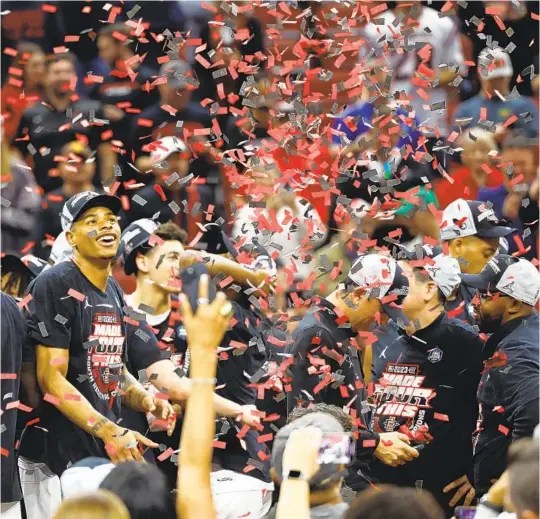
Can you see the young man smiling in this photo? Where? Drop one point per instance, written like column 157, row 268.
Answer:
column 154, row 253
column 76, row 325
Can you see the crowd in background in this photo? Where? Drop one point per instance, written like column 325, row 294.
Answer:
column 269, row 147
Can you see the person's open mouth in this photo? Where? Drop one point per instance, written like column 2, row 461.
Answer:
column 107, row 240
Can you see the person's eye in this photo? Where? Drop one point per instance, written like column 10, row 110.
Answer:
column 91, row 222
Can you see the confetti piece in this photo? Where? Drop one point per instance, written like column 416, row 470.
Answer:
column 51, row 399
column 76, row 295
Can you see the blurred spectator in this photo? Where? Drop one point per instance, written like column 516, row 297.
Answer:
column 143, row 489
column 278, row 219
column 495, row 106
column 477, row 171
column 509, row 23
column 24, row 87
column 20, row 203
column 95, row 505
column 175, row 115
column 388, row 502
column 520, row 171
column 46, row 127
column 173, row 194
column 293, row 471
column 333, row 261
column 437, row 57
column 375, row 170
column 76, row 167
column 125, row 87
column 357, row 118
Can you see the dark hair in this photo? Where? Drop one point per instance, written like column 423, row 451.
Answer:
column 143, row 488
column 22, row 274
column 388, row 502
column 57, row 58
column 167, row 232
column 523, row 459
column 341, row 416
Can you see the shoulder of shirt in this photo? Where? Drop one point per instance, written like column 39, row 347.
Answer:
column 9, row 304
column 524, row 335
column 150, row 112
column 87, row 104
column 35, row 109
column 57, row 273
column 461, row 328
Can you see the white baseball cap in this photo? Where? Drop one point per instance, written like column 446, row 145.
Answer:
column 515, row 277
column 495, row 63
column 381, row 277
column 464, row 218
column 165, row 147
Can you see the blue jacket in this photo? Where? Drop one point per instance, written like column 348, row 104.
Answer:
column 508, row 395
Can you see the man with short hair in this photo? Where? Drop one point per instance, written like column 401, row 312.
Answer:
column 324, row 362
column 76, row 325
column 429, row 391
column 154, row 254
column 495, row 99
column 57, row 120
column 508, row 291
column 470, row 233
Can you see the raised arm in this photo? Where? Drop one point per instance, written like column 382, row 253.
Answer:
column 205, row 330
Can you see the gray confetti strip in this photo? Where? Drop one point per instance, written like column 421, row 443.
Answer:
column 60, row 319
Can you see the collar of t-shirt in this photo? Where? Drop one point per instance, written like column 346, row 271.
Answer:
column 152, row 320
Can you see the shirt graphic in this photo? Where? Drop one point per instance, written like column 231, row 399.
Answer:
column 400, row 398
column 104, row 363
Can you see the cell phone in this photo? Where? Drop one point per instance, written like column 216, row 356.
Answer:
column 465, row 512
column 190, row 277
column 336, row 448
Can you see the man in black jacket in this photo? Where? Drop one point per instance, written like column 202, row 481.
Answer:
column 508, row 290
column 429, row 391
column 324, row 360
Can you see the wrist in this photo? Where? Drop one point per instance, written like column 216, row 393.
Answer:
column 104, row 429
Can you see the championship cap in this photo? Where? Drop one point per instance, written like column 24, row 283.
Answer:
column 515, row 277
column 382, row 278
column 81, row 202
column 135, row 235
column 464, row 218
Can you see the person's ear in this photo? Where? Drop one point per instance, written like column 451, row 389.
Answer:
column 431, row 290
column 142, row 263
column 356, row 296
column 514, row 307
column 70, row 237
column 455, row 247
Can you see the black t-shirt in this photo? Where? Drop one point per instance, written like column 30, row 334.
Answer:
column 13, row 334
column 43, row 131
column 68, row 312
column 433, row 382
column 323, row 339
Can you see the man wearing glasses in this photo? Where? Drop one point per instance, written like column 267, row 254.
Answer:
column 508, row 291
